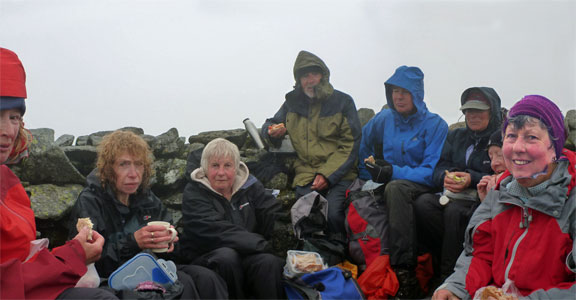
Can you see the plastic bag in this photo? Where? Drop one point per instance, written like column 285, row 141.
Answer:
column 509, row 291
column 91, row 279
column 379, row 280
column 37, row 246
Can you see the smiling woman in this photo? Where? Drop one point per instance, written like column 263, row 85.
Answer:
column 527, row 216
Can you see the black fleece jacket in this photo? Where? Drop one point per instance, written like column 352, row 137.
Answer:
column 453, row 157
column 115, row 221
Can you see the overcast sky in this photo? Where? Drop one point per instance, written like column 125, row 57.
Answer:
column 206, row 65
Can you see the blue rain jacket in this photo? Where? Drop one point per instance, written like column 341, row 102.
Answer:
column 413, row 144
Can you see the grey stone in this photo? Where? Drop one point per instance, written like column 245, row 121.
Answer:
column 101, row 133
column 365, row 114
column 571, row 141
column 236, row 136
column 64, row 140
column 169, row 175
column 278, row 182
column 136, row 130
column 82, row 140
column 94, row 140
column 51, row 201
column 43, row 135
column 457, row 125
column 150, row 139
column 195, row 146
column 47, row 163
column 82, row 157
column 570, row 119
column 169, row 145
column 174, row 200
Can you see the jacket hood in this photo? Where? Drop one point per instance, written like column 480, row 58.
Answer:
column 306, row 59
column 495, row 108
column 242, row 175
column 411, row 79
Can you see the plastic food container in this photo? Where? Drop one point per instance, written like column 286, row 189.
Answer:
column 300, row 262
column 143, row 267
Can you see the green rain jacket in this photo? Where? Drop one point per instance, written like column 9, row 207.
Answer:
column 325, row 131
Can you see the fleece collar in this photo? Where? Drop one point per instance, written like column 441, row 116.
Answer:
column 242, row 175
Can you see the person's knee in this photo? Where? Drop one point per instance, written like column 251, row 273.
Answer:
column 396, row 186
column 225, row 256
column 426, row 202
column 271, row 260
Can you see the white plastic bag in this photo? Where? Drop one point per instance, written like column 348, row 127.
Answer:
column 509, row 290
column 91, row 279
column 37, row 246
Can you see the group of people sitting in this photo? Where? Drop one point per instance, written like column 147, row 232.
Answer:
column 493, row 201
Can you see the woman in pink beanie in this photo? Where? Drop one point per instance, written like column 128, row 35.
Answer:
column 523, row 234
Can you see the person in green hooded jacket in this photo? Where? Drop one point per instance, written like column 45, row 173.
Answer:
column 325, row 131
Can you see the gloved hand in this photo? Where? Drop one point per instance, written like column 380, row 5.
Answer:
column 381, row 171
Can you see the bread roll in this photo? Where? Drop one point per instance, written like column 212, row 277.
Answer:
column 85, row 222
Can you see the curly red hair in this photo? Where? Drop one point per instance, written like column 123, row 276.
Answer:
column 114, row 145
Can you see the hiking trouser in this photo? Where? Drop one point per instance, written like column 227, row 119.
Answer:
column 399, row 196
column 442, row 227
column 208, row 283
column 336, row 196
column 247, row 276
column 87, row 293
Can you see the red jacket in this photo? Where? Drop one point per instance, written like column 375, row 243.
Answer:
column 530, row 241
column 47, row 274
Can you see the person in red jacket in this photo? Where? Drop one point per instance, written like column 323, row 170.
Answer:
column 26, row 274
column 524, row 231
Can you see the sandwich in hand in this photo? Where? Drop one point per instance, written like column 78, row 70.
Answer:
column 85, row 222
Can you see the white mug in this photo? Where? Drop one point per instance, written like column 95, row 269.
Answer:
column 167, row 226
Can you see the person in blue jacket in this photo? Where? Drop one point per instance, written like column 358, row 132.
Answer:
column 411, row 139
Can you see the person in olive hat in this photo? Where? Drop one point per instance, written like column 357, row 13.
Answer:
column 325, row 131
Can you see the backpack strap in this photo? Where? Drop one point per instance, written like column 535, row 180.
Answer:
column 303, row 288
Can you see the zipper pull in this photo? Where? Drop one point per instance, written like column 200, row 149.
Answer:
column 526, row 218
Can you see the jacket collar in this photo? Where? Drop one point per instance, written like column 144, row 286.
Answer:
column 552, row 199
column 242, row 175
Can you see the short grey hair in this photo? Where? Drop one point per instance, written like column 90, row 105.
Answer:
column 219, row 148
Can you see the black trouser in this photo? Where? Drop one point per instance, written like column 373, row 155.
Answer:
column 400, row 196
column 256, row 275
column 442, row 228
column 208, row 284
column 336, row 196
column 87, row 293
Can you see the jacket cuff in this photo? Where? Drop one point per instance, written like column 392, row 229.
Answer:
column 72, row 253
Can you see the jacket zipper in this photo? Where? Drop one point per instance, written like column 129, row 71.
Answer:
column 524, row 224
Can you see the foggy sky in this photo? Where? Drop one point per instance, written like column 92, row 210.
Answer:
column 206, row 65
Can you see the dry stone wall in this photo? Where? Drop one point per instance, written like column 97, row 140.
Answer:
column 56, row 171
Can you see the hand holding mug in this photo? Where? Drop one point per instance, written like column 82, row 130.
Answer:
column 159, row 236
